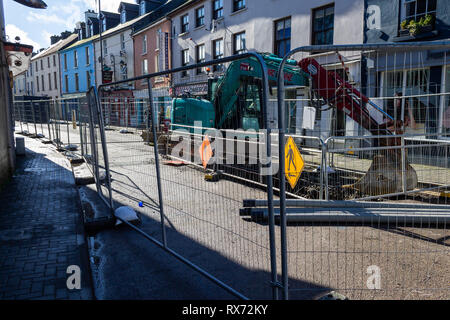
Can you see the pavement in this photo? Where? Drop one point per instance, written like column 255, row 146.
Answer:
column 41, row 231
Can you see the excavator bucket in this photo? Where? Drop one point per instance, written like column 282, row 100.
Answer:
column 385, row 175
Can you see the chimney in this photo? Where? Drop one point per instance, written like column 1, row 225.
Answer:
column 54, row 39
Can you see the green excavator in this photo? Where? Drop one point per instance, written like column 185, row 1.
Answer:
column 233, row 102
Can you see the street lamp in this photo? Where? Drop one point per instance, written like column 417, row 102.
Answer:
column 38, row 4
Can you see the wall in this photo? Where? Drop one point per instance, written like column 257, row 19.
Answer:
column 384, row 16
column 257, row 20
column 7, row 156
column 83, row 66
column 45, row 71
column 114, row 47
column 150, row 55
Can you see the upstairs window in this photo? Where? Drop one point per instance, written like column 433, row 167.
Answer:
column 282, row 37
column 48, row 62
column 104, row 24
column 75, row 59
column 54, row 60
column 239, row 43
column 217, row 9
column 123, row 16
column 323, row 25
column 200, row 16
column 142, row 8
column 238, row 5
column 417, row 9
column 144, row 44
column 88, row 62
column 65, row 61
column 122, row 41
column 185, row 23
column 184, row 61
column 218, row 53
column 201, row 58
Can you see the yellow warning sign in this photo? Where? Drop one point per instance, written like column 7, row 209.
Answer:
column 293, row 162
column 206, row 152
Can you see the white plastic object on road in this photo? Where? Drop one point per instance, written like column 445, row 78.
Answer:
column 127, row 214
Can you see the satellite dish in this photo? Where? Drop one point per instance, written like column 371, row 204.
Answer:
column 17, row 39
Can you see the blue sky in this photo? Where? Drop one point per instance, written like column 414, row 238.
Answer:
column 35, row 26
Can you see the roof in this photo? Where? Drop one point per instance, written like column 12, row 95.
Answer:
column 129, row 6
column 123, row 25
column 81, row 42
column 56, row 47
column 160, row 12
column 182, row 6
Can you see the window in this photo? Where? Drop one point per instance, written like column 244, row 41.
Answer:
column 54, row 60
column 185, row 23
column 88, row 62
column 37, row 83
column 184, row 61
column 48, row 62
column 142, row 8
column 42, row 64
column 65, row 61
column 413, row 84
column 158, row 39
column 75, row 59
column 66, row 82
column 417, row 9
column 157, row 67
column 55, row 78
column 31, row 69
column 238, row 5
column 104, row 24
column 123, row 16
column 239, row 43
column 122, row 41
column 200, row 52
column 50, row 81
column 144, row 44
column 217, row 9
column 37, row 69
column 282, row 37
column 144, row 66
column 218, row 53
column 105, row 47
column 77, row 83
column 42, row 82
column 88, row 79
column 323, row 25
column 91, row 30
column 200, row 16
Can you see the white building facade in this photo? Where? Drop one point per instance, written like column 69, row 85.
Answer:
column 43, row 75
column 206, row 30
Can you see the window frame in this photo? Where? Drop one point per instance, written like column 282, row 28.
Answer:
column 184, row 25
column 323, row 30
column 284, row 39
column 75, row 59
column 235, row 38
column 199, row 59
column 218, row 10
column 144, row 44
column 49, row 82
column 216, row 55
column 55, row 78
column 200, row 20
column 238, row 5
column 185, row 62
column 403, row 10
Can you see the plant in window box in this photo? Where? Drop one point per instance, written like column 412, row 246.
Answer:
column 404, row 28
column 426, row 23
column 414, row 28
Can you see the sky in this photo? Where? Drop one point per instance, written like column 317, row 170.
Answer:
column 35, row 26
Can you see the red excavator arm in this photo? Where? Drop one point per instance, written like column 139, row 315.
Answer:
column 338, row 93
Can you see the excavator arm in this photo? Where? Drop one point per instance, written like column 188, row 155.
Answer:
column 385, row 174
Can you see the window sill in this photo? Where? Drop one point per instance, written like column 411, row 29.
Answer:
column 408, row 37
column 183, row 34
column 238, row 11
column 199, row 27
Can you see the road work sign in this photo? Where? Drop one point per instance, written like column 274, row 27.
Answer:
column 293, row 162
column 206, row 152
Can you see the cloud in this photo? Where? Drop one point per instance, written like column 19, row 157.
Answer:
column 13, row 31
